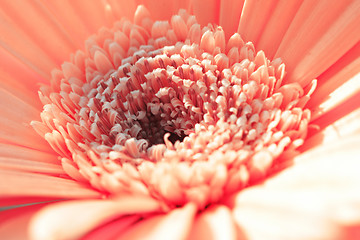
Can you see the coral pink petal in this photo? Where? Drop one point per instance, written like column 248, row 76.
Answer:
column 175, row 225
column 75, row 21
column 13, row 220
column 347, row 92
column 82, row 216
column 15, row 117
column 22, row 184
column 255, row 15
column 22, row 46
column 277, row 25
column 54, row 43
column 335, row 126
column 112, row 229
column 15, row 201
column 18, row 164
column 164, row 9
column 336, row 76
column 229, row 16
column 215, row 223
column 312, row 41
column 46, row 33
column 122, row 8
column 13, row 74
column 68, row 21
column 19, row 152
column 317, row 198
column 340, row 72
column 18, row 158
column 94, row 15
column 206, row 11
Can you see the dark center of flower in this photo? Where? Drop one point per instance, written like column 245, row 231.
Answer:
column 148, row 98
column 172, row 111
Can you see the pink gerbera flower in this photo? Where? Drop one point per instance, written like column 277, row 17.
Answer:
column 191, row 120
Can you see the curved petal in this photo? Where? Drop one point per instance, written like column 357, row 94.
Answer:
column 276, row 26
column 348, row 90
column 229, row 16
column 334, row 128
column 206, row 11
column 164, row 9
column 67, row 24
column 13, row 74
column 111, row 230
column 15, row 185
column 313, row 44
column 15, row 117
column 215, row 223
column 14, row 222
column 24, row 159
column 73, row 219
column 254, row 17
column 6, row 202
column 316, row 198
column 344, row 70
column 175, row 225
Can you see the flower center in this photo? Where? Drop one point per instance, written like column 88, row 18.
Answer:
column 173, row 111
column 147, row 98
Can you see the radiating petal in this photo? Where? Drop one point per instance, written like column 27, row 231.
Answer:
column 317, row 198
column 348, row 90
column 230, row 12
column 215, row 223
column 345, row 69
column 14, row 184
column 206, row 11
column 312, row 41
column 16, row 201
column 84, row 215
column 15, row 117
column 175, row 225
column 30, row 166
column 19, row 79
column 254, row 16
column 164, row 9
column 335, row 129
column 11, row 221
column 277, row 25
column 112, row 229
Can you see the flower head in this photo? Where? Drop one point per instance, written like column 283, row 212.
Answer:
column 172, row 111
column 163, row 122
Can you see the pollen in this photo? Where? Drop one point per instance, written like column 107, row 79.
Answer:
column 173, row 110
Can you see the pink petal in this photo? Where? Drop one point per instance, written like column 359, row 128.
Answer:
column 214, row 223
column 164, row 9
column 15, row 117
column 14, row 222
column 337, row 75
column 15, row 184
column 112, row 229
column 206, row 11
column 13, row 73
column 312, row 41
column 230, row 12
column 175, row 225
column 334, row 127
column 254, row 16
column 317, row 198
column 336, row 99
column 82, row 216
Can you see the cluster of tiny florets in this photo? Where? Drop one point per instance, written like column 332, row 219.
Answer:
column 172, row 110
